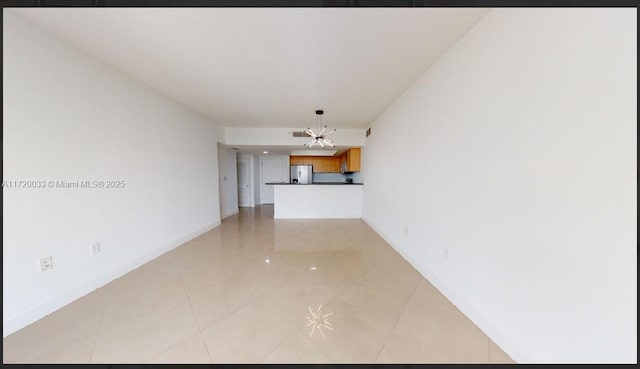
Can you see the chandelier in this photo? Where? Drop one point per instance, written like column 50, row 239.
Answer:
column 319, row 138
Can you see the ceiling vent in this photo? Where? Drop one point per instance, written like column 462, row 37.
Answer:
column 299, row 134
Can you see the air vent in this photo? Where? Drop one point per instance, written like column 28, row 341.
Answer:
column 368, row 132
column 299, row 134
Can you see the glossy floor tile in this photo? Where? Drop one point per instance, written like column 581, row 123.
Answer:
column 259, row 290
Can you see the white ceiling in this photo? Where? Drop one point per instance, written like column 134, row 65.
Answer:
column 267, row 67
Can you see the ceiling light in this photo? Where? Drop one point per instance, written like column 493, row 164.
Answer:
column 320, row 137
column 267, row 261
column 265, row 152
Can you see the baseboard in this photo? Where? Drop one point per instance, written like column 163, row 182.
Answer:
column 507, row 343
column 42, row 310
column 230, row 213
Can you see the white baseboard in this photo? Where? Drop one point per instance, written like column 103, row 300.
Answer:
column 230, row 213
column 507, row 343
column 14, row 324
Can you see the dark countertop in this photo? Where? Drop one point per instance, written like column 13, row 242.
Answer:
column 315, row 183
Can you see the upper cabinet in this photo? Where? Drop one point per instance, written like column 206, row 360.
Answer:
column 293, row 160
column 350, row 160
column 328, row 164
column 321, row 164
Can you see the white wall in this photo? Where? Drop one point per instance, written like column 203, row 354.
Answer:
column 513, row 164
column 256, row 180
column 228, row 179
column 68, row 118
column 285, row 174
column 348, row 137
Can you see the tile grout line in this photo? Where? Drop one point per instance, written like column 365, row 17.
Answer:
column 186, row 293
column 380, row 351
column 352, row 283
column 315, row 345
column 268, row 299
column 415, row 290
column 193, row 314
column 54, row 350
column 95, row 341
column 296, row 331
column 397, row 320
column 275, row 348
column 335, row 298
column 259, row 295
column 205, row 346
column 361, row 277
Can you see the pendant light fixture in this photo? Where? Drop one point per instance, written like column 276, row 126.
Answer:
column 320, row 137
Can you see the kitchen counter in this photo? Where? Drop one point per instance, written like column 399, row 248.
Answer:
column 334, row 200
column 314, row 183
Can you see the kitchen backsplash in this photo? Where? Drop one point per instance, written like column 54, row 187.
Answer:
column 336, row 177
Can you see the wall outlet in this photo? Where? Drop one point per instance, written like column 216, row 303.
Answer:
column 46, row 263
column 95, row 249
column 406, row 231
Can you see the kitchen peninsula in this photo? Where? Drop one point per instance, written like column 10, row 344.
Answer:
column 317, row 200
column 314, row 192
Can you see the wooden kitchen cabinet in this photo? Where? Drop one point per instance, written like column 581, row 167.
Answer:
column 331, row 164
column 294, row 160
column 321, row 164
column 352, row 159
column 317, row 164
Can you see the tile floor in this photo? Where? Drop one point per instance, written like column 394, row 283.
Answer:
column 241, row 293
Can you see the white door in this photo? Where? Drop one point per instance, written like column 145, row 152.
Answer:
column 244, row 180
column 271, row 171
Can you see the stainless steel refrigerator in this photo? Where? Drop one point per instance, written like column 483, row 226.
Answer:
column 302, row 173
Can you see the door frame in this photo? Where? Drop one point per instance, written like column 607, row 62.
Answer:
column 249, row 159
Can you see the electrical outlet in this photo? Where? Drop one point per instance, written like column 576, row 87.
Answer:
column 406, row 231
column 95, row 249
column 46, row 263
